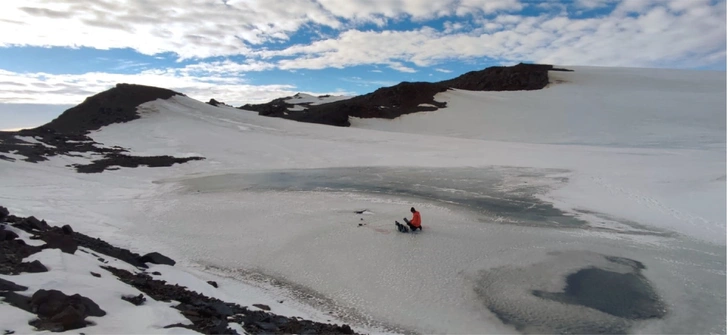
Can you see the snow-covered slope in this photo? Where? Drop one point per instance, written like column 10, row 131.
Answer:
column 307, row 99
column 623, row 107
column 632, row 160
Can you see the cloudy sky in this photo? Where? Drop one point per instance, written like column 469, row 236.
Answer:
column 54, row 53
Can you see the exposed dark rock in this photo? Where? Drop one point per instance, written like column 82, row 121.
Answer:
column 67, row 134
column 211, row 316
column 406, row 97
column 6, row 285
column 156, row 273
column 135, row 300
column 33, row 223
column 116, row 105
column 67, row 230
column 33, row 267
column 3, row 213
column 214, row 284
column 263, row 307
column 503, row 78
column 59, row 312
column 216, row 103
column 8, row 235
column 12, row 253
column 156, row 258
column 118, row 159
column 48, row 303
column 55, row 240
column 17, row 300
column 97, row 275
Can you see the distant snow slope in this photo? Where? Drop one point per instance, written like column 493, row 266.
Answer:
column 645, row 151
column 620, row 107
column 301, row 100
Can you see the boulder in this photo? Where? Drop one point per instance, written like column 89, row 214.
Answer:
column 67, row 230
column 50, row 303
column 33, row 267
column 157, row 258
column 7, row 235
column 214, row 284
column 60, row 241
column 36, row 224
column 3, row 213
column 135, row 300
column 6, row 285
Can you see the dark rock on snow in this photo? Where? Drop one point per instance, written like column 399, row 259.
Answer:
column 156, row 258
column 214, row 284
column 7, row 235
column 4, row 213
column 407, row 97
column 263, row 307
column 6, row 285
column 96, row 274
column 56, row 240
column 67, row 230
column 67, row 134
column 60, row 312
column 135, row 300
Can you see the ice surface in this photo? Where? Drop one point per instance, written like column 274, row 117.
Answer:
column 271, row 208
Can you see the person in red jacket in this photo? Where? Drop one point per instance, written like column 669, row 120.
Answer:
column 416, row 222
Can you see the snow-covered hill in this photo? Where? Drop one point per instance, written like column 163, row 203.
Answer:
column 521, row 193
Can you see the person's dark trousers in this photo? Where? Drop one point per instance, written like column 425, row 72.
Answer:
column 412, row 228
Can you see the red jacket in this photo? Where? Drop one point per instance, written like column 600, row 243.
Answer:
column 416, row 220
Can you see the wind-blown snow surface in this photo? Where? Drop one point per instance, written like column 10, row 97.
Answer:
column 302, row 100
column 274, row 202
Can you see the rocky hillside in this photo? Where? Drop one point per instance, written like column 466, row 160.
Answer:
column 406, row 97
column 67, row 134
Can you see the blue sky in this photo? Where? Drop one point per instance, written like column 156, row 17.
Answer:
column 55, row 53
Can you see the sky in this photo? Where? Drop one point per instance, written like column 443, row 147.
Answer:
column 55, row 53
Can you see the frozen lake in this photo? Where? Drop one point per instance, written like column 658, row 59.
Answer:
column 493, row 257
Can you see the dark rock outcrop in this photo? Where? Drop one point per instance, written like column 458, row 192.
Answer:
column 263, row 307
column 216, row 103
column 67, row 134
column 156, row 258
column 211, row 316
column 116, row 105
column 127, row 161
column 33, row 267
column 212, row 283
column 6, row 285
column 135, row 300
column 60, row 312
column 405, row 98
column 12, row 253
column 3, row 213
column 58, row 240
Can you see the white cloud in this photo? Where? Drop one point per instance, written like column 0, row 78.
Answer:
column 443, row 70
column 593, row 4
column 397, row 66
column 660, row 36
column 74, row 88
column 189, row 28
